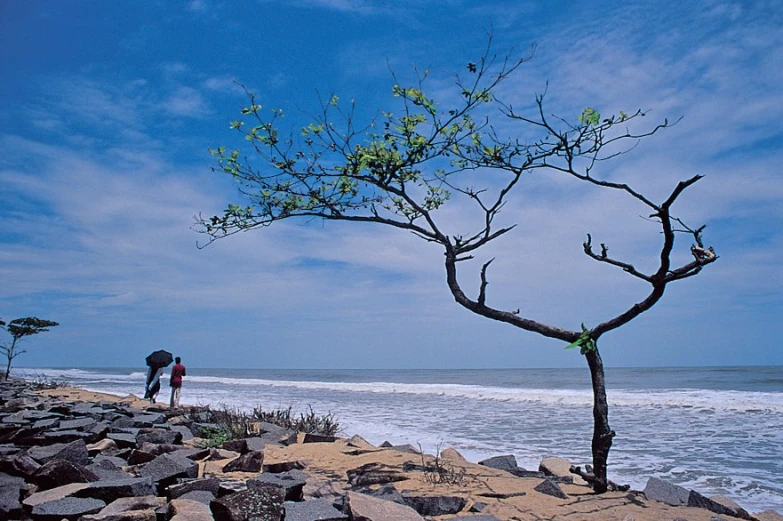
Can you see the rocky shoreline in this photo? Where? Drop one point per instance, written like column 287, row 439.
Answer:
column 70, row 454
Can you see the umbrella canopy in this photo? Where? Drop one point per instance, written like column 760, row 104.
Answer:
column 159, row 358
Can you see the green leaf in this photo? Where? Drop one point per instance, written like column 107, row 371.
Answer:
column 590, row 116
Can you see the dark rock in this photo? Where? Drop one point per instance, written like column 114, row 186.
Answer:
column 507, row 463
column 165, row 469
column 500, row 495
column 139, row 457
column 183, row 486
column 362, row 507
column 231, row 486
column 249, row 462
column 58, row 472
column 202, row 496
column 10, row 496
column 374, row 474
column 123, row 440
column 70, row 508
column 261, row 504
column 436, row 505
column 659, row 490
column 407, row 449
column 19, row 465
column 292, row 483
column 68, row 436
column 478, row 506
column 48, row 423
column 317, row 509
column 109, row 491
column 77, row 424
column 107, row 470
column 183, row 430
column 159, row 436
column 318, row 438
column 550, row 488
column 482, row 517
column 284, row 466
column 75, row 452
column 697, row 500
column 388, row 492
column 239, row 445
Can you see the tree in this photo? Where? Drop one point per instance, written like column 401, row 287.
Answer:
column 401, row 168
column 19, row 328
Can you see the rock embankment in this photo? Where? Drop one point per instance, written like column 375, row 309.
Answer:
column 118, row 460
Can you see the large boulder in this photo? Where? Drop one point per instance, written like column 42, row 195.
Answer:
column 292, row 483
column 142, row 508
column 669, row 493
column 436, row 505
column 164, row 470
column 110, row 491
column 70, row 508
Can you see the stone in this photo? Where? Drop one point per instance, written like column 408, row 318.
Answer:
column 202, row 496
column 507, row 463
column 317, row 509
column 699, row 501
column 374, row 474
column 183, row 430
column 10, row 496
column 159, row 436
column 183, row 486
column 58, row 472
column 452, row 455
column 318, row 438
column 259, row 504
column 482, row 517
column 165, row 469
column 70, row 508
column 189, row 510
column 362, row 507
column 560, row 468
column 660, row 490
column 75, row 452
column 110, row 491
column 292, row 483
column 388, row 492
column 360, row 443
column 550, row 488
column 52, row 495
column 122, row 439
column 129, row 509
column 77, row 424
column 107, row 469
column 230, row 486
column 436, row 505
column 284, row 466
column 105, row 446
column 248, row 462
column 19, row 465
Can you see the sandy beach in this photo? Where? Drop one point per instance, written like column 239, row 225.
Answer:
column 490, row 491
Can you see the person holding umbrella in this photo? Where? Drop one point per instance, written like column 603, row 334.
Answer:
column 156, row 362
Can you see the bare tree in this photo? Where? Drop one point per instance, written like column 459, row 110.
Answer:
column 19, row 328
column 400, row 169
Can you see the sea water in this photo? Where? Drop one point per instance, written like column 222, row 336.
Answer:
column 715, row 430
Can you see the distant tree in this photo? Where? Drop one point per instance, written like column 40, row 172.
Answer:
column 19, row 328
column 401, row 168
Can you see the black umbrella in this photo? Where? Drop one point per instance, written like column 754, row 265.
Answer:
column 159, row 358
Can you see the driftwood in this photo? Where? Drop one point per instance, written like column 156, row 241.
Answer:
column 589, row 476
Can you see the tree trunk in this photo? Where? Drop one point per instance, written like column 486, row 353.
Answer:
column 602, row 434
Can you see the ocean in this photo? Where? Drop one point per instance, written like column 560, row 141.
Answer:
column 717, row 430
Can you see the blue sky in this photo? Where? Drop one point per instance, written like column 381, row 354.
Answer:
column 108, row 109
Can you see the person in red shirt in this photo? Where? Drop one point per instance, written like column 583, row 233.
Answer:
column 177, row 372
